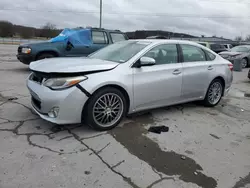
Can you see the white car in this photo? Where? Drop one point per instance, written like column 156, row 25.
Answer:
column 124, row 78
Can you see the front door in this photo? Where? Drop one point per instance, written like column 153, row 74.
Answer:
column 160, row 84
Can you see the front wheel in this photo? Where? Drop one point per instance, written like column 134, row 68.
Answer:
column 214, row 93
column 105, row 109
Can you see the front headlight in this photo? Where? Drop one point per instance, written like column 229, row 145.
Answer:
column 63, row 83
column 26, row 50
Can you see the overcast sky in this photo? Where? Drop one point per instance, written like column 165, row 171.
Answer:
column 228, row 18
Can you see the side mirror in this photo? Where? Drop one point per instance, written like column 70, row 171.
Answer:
column 147, row 61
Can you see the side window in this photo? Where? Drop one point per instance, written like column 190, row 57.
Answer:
column 116, row 37
column 192, row 53
column 210, row 56
column 99, row 37
column 164, row 54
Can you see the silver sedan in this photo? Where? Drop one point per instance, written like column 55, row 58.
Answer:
column 125, row 78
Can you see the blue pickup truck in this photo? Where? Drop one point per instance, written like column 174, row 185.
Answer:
column 70, row 43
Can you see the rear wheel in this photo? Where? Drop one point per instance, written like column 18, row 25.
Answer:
column 214, row 93
column 45, row 55
column 105, row 109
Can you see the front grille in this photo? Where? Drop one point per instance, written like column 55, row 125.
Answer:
column 19, row 49
column 36, row 102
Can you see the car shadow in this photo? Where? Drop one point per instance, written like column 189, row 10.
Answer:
column 141, row 118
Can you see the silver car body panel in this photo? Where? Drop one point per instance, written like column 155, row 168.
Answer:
column 147, row 87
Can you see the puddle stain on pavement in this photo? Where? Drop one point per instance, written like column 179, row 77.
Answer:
column 132, row 136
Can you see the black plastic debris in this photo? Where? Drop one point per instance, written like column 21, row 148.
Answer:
column 247, row 95
column 158, row 129
column 12, row 98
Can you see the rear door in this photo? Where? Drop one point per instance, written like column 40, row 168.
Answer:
column 195, row 72
column 160, row 84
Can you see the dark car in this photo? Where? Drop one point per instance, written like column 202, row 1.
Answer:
column 238, row 53
column 99, row 39
column 217, row 48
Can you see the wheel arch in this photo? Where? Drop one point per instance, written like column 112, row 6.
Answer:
column 120, row 88
column 223, row 82
column 56, row 54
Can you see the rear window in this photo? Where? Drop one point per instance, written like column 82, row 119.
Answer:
column 117, row 37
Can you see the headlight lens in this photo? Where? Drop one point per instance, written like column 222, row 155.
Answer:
column 63, row 83
column 26, row 50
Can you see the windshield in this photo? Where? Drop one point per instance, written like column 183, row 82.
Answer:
column 240, row 49
column 120, row 52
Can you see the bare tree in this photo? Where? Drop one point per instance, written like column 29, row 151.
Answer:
column 6, row 29
column 238, row 38
column 26, row 33
column 48, row 30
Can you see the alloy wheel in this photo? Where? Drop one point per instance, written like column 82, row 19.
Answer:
column 108, row 109
column 215, row 93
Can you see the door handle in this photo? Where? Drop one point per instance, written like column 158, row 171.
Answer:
column 176, row 72
column 210, row 67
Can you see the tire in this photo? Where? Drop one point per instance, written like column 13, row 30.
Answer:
column 210, row 93
column 45, row 55
column 99, row 115
column 244, row 63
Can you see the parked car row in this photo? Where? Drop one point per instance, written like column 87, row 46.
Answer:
column 238, row 53
column 217, row 48
column 124, row 78
column 232, row 54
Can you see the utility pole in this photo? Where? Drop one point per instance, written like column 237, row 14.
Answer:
column 100, row 14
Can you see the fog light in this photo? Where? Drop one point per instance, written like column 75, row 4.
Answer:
column 53, row 113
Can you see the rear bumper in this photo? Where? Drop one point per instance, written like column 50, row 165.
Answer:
column 25, row 58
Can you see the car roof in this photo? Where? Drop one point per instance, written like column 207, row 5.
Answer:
column 159, row 41
column 107, row 30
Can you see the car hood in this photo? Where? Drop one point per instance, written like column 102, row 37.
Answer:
column 71, row 65
column 229, row 53
column 41, row 44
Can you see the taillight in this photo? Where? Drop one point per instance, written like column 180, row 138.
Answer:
column 231, row 67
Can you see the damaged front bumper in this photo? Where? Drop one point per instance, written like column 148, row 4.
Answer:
column 57, row 106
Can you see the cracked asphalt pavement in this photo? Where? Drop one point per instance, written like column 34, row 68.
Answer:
column 205, row 147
